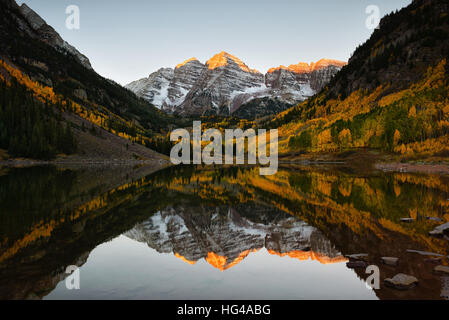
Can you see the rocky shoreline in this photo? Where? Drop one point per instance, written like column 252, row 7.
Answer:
column 413, row 168
column 84, row 162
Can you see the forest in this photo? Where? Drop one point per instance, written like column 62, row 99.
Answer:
column 30, row 128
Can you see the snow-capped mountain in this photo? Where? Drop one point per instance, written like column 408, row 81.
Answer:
column 185, row 76
column 167, row 88
column 224, row 78
column 155, row 87
column 224, row 236
column 224, row 83
column 302, row 80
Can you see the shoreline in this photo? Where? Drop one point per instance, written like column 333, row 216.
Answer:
column 370, row 159
column 382, row 163
column 412, row 168
column 19, row 163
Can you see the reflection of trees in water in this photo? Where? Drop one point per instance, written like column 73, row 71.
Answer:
column 25, row 194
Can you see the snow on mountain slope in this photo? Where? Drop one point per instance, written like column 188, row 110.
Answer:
column 225, row 83
column 166, row 88
column 225, row 75
column 301, row 80
column 155, row 87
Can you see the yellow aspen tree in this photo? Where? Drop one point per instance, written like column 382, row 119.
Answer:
column 345, row 138
column 396, row 137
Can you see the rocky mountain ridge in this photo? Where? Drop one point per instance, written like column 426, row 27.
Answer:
column 224, row 83
column 49, row 35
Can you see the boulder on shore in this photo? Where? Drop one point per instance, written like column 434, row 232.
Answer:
column 401, row 281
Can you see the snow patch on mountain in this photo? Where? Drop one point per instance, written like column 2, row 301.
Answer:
column 225, row 81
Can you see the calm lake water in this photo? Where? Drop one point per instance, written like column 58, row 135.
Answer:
column 227, row 233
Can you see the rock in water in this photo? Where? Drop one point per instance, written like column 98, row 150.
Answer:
column 356, row 264
column 391, row 261
column 401, row 281
column 441, row 269
column 358, row 256
column 440, row 230
column 434, row 219
column 433, row 260
column 445, row 288
column 425, row 253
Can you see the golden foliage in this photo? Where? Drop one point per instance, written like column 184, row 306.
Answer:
column 417, row 99
column 98, row 116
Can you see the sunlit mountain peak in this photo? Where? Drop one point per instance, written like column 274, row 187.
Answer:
column 306, row 255
column 323, row 63
column 185, row 62
column 221, row 262
column 223, row 58
column 177, row 255
column 304, row 67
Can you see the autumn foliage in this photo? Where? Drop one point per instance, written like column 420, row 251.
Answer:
column 410, row 121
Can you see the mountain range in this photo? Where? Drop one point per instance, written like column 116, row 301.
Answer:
column 225, row 83
column 224, row 239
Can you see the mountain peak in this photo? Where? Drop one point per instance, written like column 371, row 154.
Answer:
column 323, row 63
column 186, row 62
column 304, row 67
column 222, row 59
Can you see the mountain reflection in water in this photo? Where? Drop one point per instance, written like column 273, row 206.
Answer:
column 225, row 236
column 232, row 219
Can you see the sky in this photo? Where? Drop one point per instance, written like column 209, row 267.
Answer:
column 128, row 40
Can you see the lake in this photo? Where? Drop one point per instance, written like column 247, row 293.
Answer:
column 218, row 233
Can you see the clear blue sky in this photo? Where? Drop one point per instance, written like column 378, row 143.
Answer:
column 127, row 40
